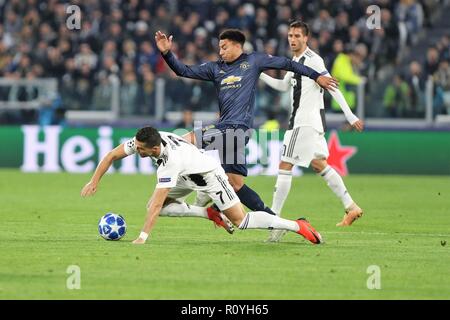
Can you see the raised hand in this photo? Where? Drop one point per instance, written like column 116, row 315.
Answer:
column 162, row 42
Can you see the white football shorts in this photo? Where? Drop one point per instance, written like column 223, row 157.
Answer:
column 301, row 145
column 214, row 183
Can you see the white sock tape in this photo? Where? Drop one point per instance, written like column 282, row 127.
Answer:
column 143, row 235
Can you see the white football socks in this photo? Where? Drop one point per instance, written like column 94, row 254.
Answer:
column 282, row 188
column 263, row 220
column 336, row 184
column 183, row 210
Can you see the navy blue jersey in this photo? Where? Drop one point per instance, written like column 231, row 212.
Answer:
column 236, row 82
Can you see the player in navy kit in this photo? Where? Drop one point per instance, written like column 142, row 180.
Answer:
column 235, row 76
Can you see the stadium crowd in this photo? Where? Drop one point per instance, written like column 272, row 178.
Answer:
column 116, row 42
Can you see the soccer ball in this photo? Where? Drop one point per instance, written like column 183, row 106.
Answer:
column 112, row 226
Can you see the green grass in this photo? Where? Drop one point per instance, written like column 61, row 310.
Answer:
column 46, row 226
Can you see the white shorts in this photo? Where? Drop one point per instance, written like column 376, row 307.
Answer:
column 301, row 145
column 214, row 183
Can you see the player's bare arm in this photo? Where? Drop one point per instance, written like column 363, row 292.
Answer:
column 153, row 210
column 163, row 42
column 116, row 154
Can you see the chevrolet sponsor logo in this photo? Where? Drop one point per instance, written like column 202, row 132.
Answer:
column 231, row 80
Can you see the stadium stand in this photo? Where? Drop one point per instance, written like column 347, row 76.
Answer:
column 111, row 63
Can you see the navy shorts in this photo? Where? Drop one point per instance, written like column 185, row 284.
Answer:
column 230, row 141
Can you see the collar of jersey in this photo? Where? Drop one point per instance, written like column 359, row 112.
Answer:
column 300, row 56
column 160, row 153
column 237, row 59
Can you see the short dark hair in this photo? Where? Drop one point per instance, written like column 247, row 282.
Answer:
column 150, row 136
column 301, row 25
column 233, row 35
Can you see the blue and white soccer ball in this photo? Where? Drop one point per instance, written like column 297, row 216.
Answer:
column 112, row 226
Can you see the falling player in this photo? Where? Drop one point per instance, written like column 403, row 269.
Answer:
column 182, row 168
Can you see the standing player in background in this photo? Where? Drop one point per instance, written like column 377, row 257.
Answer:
column 182, row 168
column 304, row 142
column 235, row 77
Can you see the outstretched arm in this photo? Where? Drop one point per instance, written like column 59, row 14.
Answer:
column 200, row 72
column 116, row 154
column 156, row 203
column 351, row 118
column 280, row 85
column 266, row 61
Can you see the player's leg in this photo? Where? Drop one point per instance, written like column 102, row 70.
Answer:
column 247, row 195
column 175, row 206
column 336, row 184
column 284, row 178
column 202, row 199
column 282, row 186
column 263, row 220
column 227, row 201
column 292, row 153
column 280, row 194
column 234, row 163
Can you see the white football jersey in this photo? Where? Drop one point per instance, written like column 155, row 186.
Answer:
column 178, row 158
column 307, row 107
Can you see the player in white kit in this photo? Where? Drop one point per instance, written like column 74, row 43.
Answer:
column 182, row 168
column 304, row 142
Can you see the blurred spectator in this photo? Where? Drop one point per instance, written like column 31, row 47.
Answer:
column 271, row 123
column 345, row 69
column 441, row 102
column 410, row 13
column 416, row 83
column 34, row 39
column 83, row 77
column 396, row 98
column 129, row 90
column 51, row 111
column 148, row 91
column 147, row 55
column 432, row 61
column 103, row 93
column 188, row 120
column 324, row 22
column 86, row 58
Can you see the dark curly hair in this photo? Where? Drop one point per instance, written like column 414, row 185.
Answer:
column 150, row 136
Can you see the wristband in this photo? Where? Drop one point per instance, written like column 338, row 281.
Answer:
column 143, row 235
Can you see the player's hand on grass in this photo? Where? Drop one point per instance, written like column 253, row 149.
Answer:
column 89, row 189
column 358, row 125
column 328, row 83
column 162, row 42
column 139, row 241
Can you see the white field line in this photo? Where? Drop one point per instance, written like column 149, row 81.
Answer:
column 391, row 233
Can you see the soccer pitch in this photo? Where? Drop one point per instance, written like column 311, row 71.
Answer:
column 46, row 227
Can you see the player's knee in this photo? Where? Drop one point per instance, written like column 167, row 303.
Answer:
column 318, row 165
column 285, row 166
column 168, row 201
column 236, row 184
